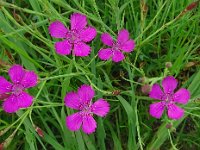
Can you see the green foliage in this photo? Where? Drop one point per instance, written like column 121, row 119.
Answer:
column 162, row 34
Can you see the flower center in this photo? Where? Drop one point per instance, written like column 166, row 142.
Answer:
column 17, row 89
column 86, row 109
column 168, row 98
column 115, row 47
column 73, row 37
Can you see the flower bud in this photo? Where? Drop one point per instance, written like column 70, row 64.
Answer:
column 1, row 146
column 39, row 132
column 192, row 6
column 169, row 126
column 4, row 96
column 116, row 92
column 146, row 89
column 168, row 64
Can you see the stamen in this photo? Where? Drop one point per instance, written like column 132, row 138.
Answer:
column 73, row 37
column 17, row 89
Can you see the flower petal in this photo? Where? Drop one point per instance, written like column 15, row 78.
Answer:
column 182, row 96
column 169, row 84
column 105, row 54
column 85, row 93
column 10, row 105
column 156, row 109
column 81, row 49
column 29, row 80
column 63, row 47
column 72, row 100
column 78, row 21
column 156, row 92
column 57, row 29
column 128, row 46
column 117, row 56
column 5, row 86
column 24, row 100
column 123, row 36
column 74, row 121
column 107, row 39
column 88, row 34
column 100, row 107
column 89, row 124
column 175, row 112
column 16, row 73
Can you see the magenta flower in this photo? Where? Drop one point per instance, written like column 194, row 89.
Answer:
column 22, row 79
column 168, row 99
column 82, row 101
column 75, row 37
column 123, row 43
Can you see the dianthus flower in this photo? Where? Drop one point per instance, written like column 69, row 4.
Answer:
column 74, row 38
column 82, row 101
column 168, row 99
column 22, row 79
column 116, row 49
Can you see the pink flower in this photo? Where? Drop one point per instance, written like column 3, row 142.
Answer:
column 75, row 37
column 22, row 79
column 115, row 52
column 168, row 99
column 82, row 101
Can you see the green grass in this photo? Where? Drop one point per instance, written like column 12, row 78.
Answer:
column 161, row 34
